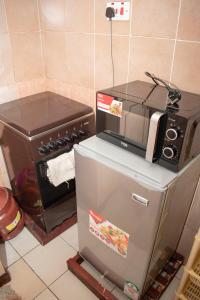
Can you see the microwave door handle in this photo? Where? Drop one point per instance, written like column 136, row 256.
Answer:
column 152, row 137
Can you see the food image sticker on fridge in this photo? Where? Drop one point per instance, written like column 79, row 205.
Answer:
column 109, row 234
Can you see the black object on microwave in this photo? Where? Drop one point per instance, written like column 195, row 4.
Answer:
column 157, row 122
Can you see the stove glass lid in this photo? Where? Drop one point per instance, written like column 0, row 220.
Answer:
column 37, row 113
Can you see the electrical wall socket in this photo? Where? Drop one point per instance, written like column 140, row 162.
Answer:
column 122, row 10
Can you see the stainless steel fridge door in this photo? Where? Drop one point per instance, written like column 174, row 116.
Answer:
column 132, row 207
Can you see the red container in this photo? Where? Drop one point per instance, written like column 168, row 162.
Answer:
column 11, row 217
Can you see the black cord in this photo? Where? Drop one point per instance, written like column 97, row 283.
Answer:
column 174, row 94
column 111, row 52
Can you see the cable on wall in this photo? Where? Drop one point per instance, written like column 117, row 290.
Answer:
column 111, row 53
column 110, row 13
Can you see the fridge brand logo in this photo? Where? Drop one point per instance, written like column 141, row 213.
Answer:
column 125, row 145
column 108, row 233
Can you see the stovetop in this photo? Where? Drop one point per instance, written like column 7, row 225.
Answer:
column 37, row 113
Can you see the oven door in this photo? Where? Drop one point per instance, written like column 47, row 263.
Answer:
column 49, row 193
column 137, row 128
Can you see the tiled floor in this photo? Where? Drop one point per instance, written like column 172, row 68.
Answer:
column 40, row 272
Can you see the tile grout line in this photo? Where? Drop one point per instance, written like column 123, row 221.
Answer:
column 35, row 274
column 11, row 48
column 31, row 250
column 175, row 42
column 53, row 293
column 15, row 82
column 41, row 39
column 35, row 271
column 129, row 46
column 44, row 291
column 46, row 285
column 121, row 35
column 188, row 41
column 17, row 258
column 68, row 244
column 20, row 256
column 25, row 32
column 58, row 278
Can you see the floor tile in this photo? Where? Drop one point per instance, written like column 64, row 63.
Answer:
column 179, row 274
column 119, row 294
column 49, row 261
column 8, row 254
column 71, row 236
column 24, row 281
column 92, row 271
column 70, row 287
column 24, row 242
column 170, row 291
column 46, row 295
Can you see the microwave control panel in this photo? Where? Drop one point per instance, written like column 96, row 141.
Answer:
column 173, row 140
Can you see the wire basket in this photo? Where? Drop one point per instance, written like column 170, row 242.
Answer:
column 189, row 288
column 195, row 279
column 196, row 265
column 191, row 291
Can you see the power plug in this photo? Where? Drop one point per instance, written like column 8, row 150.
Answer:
column 110, row 13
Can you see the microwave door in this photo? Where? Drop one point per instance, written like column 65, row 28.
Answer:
column 134, row 125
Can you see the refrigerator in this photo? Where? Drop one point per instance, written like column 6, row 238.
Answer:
column 131, row 213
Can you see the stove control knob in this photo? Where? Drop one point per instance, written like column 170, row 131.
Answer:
column 172, row 134
column 169, row 152
column 75, row 135
column 68, row 139
column 52, row 146
column 44, row 150
column 82, row 132
column 60, row 142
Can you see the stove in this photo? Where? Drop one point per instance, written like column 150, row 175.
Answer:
column 34, row 130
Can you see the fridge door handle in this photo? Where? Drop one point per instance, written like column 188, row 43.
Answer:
column 140, row 200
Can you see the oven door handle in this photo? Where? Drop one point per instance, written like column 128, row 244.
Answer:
column 153, row 135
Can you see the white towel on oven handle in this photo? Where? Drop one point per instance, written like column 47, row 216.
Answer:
column 61, row 169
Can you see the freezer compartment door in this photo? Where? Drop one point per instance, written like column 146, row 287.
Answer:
column 118, row 219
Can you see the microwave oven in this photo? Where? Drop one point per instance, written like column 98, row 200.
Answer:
column 147, row 119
